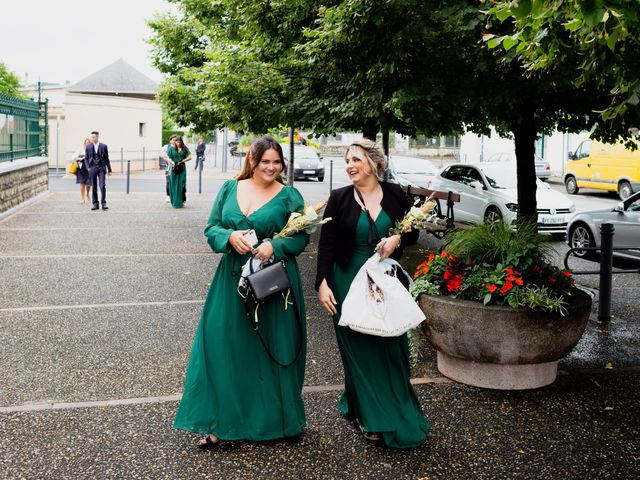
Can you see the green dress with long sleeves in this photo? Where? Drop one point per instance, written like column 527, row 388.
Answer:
column 233, row 390
column 177, row 181
column 378, row 394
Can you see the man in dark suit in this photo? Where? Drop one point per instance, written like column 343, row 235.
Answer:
column 97, row 160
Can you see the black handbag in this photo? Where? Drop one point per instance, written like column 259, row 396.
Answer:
column 178, row 168
column 268, row 281
column 262, row 286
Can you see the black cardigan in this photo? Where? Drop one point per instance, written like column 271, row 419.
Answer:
column 336, row 237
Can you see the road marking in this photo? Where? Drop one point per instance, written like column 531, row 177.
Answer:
column 94, row 255
column 46, row 405
column 100, row 305
column 50, row 405
column 102, row 228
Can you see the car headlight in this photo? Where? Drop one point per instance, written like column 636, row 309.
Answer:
column 513, row 207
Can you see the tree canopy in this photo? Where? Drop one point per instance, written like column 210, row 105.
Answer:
column 9, row 82
column 410, row 66
column 594, row 42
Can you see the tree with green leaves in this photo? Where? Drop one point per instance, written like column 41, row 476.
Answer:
column 9, row 82
column 410, row 66
column 594, row 42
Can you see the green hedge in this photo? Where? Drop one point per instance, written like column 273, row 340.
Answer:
column 167, row 133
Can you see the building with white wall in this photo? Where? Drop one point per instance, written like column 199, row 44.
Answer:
column 119, row 102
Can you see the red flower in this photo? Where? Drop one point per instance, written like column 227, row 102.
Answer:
column 454, row 284
column 552, row 280
column 566, row 273
column 511, row 278
column 509, row 271
column 447, row 274
column 431, row 257
column 503, row 289
column 519, row 281
column 444, row 254
column 492, row 288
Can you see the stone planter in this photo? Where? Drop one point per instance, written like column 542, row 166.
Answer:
column 501, row 347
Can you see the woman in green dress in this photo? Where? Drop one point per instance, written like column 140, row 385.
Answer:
column 179, row 155
column 378, row 395
column 233, row 389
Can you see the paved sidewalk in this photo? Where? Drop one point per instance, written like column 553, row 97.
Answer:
column 97, row 314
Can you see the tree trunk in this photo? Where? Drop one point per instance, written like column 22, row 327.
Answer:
column 370, row 132
column 524, row 135
column 291, row 162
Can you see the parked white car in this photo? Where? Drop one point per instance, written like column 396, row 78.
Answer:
column 584, row 229
column 415, row 171
column 488, row 193
column 543, row 169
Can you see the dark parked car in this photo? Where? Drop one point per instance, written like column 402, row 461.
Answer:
column 307, row 162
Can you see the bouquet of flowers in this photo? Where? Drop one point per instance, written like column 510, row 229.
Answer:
column 307, row 220
column 417, row 217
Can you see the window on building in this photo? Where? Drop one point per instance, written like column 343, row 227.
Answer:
column 142, row 129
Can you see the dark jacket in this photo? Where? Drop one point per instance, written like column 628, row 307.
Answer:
column 336, row 237
column 101, row 158
column 200, row 148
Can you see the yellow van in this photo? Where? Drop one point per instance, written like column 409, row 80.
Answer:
column 603, row 167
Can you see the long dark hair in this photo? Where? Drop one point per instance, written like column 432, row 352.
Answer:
column 182, row 145
column 255, row 153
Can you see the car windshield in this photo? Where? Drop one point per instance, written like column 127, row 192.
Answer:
column 413, row 165
column 505, row 178
column 300, row 152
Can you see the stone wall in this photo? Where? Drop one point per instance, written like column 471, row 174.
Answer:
column 21, row 180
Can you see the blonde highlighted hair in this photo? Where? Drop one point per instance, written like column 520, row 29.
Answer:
column 372, row 153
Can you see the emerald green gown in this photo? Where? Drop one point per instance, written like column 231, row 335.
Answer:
column 378, row 394
column 233, row 390
column 177, row 181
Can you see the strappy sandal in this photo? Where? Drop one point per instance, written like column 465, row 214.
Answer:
column 371, row 437
column 207, row 442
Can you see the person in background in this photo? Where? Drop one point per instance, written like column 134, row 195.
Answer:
column 179, row 154
column 97, row 158
column 82, row 174
column 200, row 148
column 164, row 163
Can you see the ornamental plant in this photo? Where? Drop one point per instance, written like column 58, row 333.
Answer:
column 496, row 265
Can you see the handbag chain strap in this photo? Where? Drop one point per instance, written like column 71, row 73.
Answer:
column 374, row 234
column 253, row 318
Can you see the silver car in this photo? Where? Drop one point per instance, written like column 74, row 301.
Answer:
column 584, row 229
column 307, row 162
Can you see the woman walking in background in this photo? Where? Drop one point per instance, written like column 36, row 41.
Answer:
column 237, row 387
column 82, row 172
column 179, row 154
column 378, row 395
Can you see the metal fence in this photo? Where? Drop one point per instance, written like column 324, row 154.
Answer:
column 23, row 128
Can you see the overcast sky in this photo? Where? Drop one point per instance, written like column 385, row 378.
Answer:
column 60, row 40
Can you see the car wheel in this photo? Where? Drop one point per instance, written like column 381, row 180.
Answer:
column 624, row 190
column 492, row 215
column 321, row 178
column 581, row 236
column 571, row 185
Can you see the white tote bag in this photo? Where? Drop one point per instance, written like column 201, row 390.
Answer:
column 377, row 303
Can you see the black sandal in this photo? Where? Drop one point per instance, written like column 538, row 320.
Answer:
column 208, row 443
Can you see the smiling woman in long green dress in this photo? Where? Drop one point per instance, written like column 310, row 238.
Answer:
column 179, row 155
column 233, row 390
column 378, row 395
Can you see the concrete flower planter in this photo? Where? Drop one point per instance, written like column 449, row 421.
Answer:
column 500, row 347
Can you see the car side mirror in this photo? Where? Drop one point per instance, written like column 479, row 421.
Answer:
column 619, row 208
column 571, row 156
